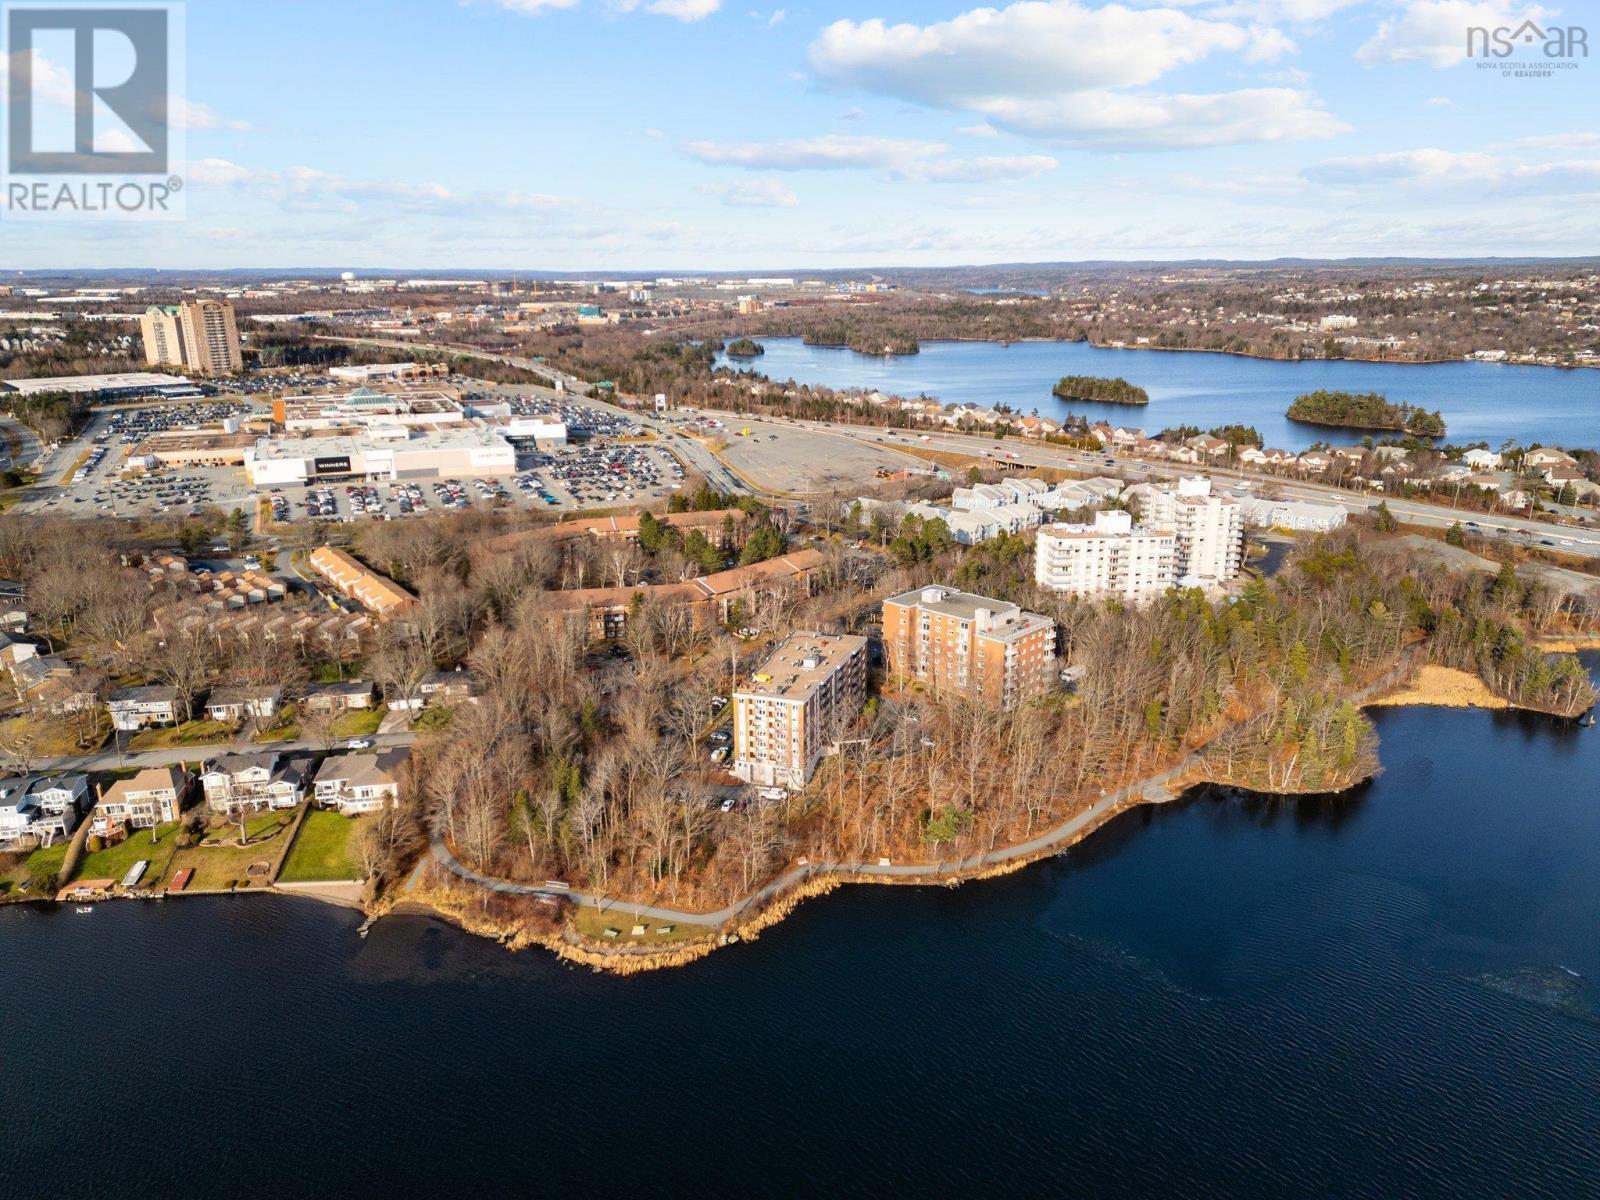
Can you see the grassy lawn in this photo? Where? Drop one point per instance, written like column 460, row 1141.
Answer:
column 35, row 866
column 434, row 717
column 190, row 733
column 324, row 850
column 54, row 737
column 285, row 729
column 359, row 722
column 216, row 866
column 592, row 924
column 113, row 862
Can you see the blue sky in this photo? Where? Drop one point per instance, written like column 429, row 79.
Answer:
column 675, row 134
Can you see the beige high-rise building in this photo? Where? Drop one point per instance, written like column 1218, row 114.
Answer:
column 210, row 337
column 163, row 336
column 810, row 689
column 956, row 641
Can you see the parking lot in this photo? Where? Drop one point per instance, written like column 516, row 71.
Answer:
column 598, row 472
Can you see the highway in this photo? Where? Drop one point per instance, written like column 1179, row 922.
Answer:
column 1582, row 542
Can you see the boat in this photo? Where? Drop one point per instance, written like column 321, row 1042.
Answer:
column 85, row 908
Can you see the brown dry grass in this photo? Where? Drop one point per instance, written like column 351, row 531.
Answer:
column 1443, row 687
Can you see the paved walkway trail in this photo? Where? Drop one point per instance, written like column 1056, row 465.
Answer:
column 1151, row 790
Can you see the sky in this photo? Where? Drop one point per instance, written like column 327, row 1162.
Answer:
column 681, row 134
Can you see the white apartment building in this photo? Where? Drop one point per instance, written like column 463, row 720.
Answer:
column 1107, row 558
column 1209, row 529
column 794, row 705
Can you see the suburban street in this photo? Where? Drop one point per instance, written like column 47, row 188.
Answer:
column 112, row 759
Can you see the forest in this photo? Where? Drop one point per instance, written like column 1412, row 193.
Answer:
column 1099, row 390
column 1367, row 410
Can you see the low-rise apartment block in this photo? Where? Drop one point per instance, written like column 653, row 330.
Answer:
column 1106, row 558
column 956, row 641
column 795, row 706
column 377, row 593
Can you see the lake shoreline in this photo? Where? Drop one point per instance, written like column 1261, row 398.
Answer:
column 955, row 339
column 1429, row 686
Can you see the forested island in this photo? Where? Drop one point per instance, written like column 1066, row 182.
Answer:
column 1364, row 410
column 1098, row 390
column 862, row 341
column 745, row 348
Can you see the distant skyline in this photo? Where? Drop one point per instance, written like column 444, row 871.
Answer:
column 571, row 135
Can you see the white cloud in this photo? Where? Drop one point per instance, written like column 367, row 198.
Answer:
column 921, row 162
column 1294, row 12
column 534, row 6
column 1154, row 121
column 53, row 84
column 684, row 10
column 653, row 132
column 681, row 10
column 1059, row 70
column 1034, row 47
column 752, row 193
column 1561, row 141
column 982, row 129
column 217, row 171
column 1464, row 175
column 190, row 114
column 1442, row 102
column 978, row 170
column 852, row 114
column 830, row 152
column 777, row 17
column 1435, row 31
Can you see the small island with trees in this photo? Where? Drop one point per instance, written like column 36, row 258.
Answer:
column 862, row 341
column 1094, row 389
column 745, row 348
column 1368, row 410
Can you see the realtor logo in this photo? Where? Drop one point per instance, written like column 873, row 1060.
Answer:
column 1539, row 52
column 90, row 99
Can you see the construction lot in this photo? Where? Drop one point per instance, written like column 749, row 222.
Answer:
column 798, row 460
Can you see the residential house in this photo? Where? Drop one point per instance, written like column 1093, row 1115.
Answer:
column 152, row 797
column 339, row 697
column 360, row 783
column 234, row 704
column 134, row 708
column 1213, row 449
column 40, row 810
column 254, row 782
column 1483, row 460
column 447, row 688
column 1546, row 456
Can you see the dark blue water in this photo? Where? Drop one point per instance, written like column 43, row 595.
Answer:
column 1391, row 994
column 1480, row 401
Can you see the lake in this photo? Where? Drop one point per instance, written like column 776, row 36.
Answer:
column 1487, row 402
column 1392, row 993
